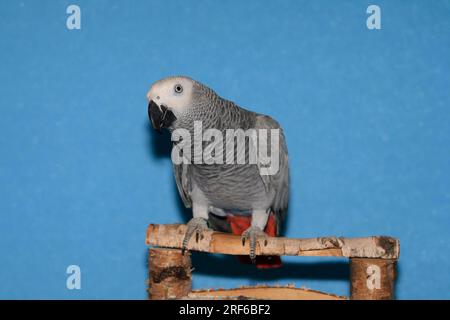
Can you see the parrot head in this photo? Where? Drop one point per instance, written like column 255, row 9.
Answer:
column 169, row 99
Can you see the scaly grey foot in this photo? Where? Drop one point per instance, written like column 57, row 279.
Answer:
column 254, row 234
column 195, row 225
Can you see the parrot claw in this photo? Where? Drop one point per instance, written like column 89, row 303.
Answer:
column 195, row 225
column 254, row 234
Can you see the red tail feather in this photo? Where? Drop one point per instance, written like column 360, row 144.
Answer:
column 239, row 224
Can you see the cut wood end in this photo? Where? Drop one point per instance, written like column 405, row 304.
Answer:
column 150, row 231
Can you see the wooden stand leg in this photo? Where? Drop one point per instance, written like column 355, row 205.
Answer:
column 372, row 279
column 169, row 274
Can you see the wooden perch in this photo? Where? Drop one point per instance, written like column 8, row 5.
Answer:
column 372, row 264
column 171, row 236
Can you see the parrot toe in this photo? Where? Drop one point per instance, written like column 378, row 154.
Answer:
column 254, row 234
column 195, row 225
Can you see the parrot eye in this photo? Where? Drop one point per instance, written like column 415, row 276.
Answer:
column 178, row 88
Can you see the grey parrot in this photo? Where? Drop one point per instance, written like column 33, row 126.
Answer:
column 228, row 197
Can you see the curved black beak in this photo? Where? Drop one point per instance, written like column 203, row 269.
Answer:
column 160, row 116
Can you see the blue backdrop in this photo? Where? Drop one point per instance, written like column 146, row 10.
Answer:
column 366, row 115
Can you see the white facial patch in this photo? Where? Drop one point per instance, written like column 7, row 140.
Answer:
column 167, row 92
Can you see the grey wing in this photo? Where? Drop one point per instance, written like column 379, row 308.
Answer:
column 279, row 181
column 183, row 181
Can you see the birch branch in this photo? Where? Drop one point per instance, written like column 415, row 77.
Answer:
column 171, row 236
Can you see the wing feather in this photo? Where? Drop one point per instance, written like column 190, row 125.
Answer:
column 279, row 182
column 182, row 179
